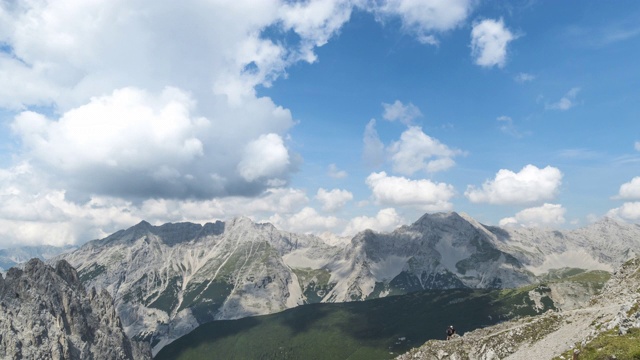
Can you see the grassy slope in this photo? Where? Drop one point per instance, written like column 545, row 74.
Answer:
column 609, row 345
column 359, row 330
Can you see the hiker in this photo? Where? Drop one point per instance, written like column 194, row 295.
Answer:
column 450, row 332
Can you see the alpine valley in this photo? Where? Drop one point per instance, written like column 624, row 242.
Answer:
column 167, row 280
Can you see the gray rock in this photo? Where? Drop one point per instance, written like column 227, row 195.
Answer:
column 45, row 313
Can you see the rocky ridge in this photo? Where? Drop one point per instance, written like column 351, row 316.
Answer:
column 551, row 334
column 46, row 313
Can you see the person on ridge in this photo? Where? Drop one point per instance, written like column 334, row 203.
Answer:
column 450, row 332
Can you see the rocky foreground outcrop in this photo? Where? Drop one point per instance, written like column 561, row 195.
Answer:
column 615, row 309
column 46, row 313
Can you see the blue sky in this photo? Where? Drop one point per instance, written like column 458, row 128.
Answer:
column 318, row 116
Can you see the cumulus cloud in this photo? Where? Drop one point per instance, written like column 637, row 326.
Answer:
column 385, row 220
column 306, row 221
column 630, row 190
column 422, row 194
column 414, row 151
column 425, row 17
column 489, row 40
column 400, row 112
column 265, row 157
column 135, row 144
column 629, row 211
column 530, row 185
column 333, row 200
column 547, row 215
column 566, row 102
column 336, row 173
column 48, row 217
column 417, row 151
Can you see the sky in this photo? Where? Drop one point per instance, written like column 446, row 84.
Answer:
column 319, row 116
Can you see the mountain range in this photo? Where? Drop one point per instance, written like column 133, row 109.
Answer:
column 168, row 279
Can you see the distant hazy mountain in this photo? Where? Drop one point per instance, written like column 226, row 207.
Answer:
column 168, row 279
column 15, row 256
column 603, row 245
column 45, row 313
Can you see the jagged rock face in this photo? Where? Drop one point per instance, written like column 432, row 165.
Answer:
column 45, row 313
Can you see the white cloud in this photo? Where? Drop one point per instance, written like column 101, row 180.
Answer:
column 279, row 200
column 424, row 17
column 524, row 77
column 566, row 102
column 265, row 157
column 385, row 220
column 630, row 190
column 128, row 128
column 417, row 151
column 373, row 151
column 306, row 221
column 74, row 49
column 136, row 144
column 530, row 185
column 489, row 40
column 48, row 217
column 315, row 21
column 547, row 215
column 422, row 194
column 398, row 111
column 336, row 173
column 637, row 145
column 629, row 211
column 333, row 200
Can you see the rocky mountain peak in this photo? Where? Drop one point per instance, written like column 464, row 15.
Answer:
column 67, row 273
column 241, row 221
column 45, row 313
column 442, row 220
column 439, row 217
column 608, row 223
